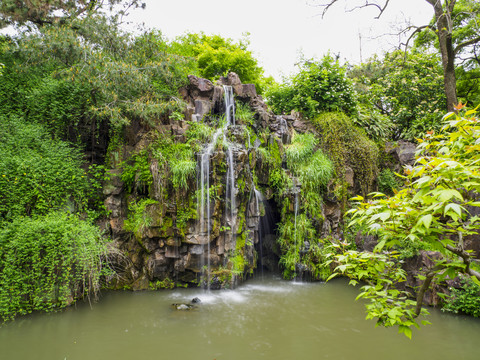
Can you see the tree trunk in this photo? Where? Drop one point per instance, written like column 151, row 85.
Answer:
column 444, row 33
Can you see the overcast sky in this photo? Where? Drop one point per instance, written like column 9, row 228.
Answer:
column 281, row 29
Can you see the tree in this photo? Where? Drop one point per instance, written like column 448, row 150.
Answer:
column 90, row 79
column 406, row 87
column 49, row 12
column 450, row 43
column 465, row 29
column 217, row 56
column 319, row 86
column 433, row 211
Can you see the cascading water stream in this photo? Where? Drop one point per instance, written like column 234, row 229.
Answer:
column 296, row 213
column 230, row 190
column 203, row 179
column 229, row 105
column 259, row 197
column 203, row 205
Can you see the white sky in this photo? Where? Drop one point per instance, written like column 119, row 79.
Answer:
column 281, row 29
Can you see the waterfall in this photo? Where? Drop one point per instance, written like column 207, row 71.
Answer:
column 203, row 180
column 229, row 104
column 296, row 213
column 230, row 183
column 261, row 232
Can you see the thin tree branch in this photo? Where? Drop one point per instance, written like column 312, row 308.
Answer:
column 380, row 8
column 417, row 30
column 423, row 289
column 326, row 7
column 451, row 5
column 466, row 43
column 467, row 259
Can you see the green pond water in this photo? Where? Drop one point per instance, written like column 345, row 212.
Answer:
column 262, row 319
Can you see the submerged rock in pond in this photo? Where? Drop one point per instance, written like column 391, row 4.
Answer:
column 184, row 306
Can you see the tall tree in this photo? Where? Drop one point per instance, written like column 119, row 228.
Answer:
column 444, row 30
column 42, row 12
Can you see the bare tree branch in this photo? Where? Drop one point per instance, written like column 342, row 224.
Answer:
column 381, row 8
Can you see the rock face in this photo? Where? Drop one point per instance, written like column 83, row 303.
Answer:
column 172, row 239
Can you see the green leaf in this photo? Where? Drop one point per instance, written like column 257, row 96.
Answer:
column 405, row 330
column 453, row 210
column 448, row 194
column 426, row 220
column 475, row 280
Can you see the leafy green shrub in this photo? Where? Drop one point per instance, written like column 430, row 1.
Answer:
column 136, row 172
column 387, row 182
column 180, row 159
column 319, row 86
column 376, row 125
column 465, row 300
column 91, row 72
column 347, row 145
column 434, row 210
column 244, row 113
column 37, row 173
column 57, row 103
column 138, row 217
column 47, row 263
column 313, row 168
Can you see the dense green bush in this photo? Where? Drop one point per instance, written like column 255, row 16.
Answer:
column 89, row 75
column 379, row 127
column 38, row 174
column 136, row 172
column 319, row 86
column 465, row 300
column 408, row 89
column 48, row 262
column 216, row 56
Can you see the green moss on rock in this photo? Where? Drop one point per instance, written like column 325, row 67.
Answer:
column 349, row 146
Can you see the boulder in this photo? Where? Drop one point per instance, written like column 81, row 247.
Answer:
column 403, row 152
column 199, row 86
column 245, row 91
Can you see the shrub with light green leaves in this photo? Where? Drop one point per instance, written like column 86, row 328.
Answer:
column 47, row 263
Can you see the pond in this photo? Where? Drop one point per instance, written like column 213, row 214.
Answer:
column 265, row 318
